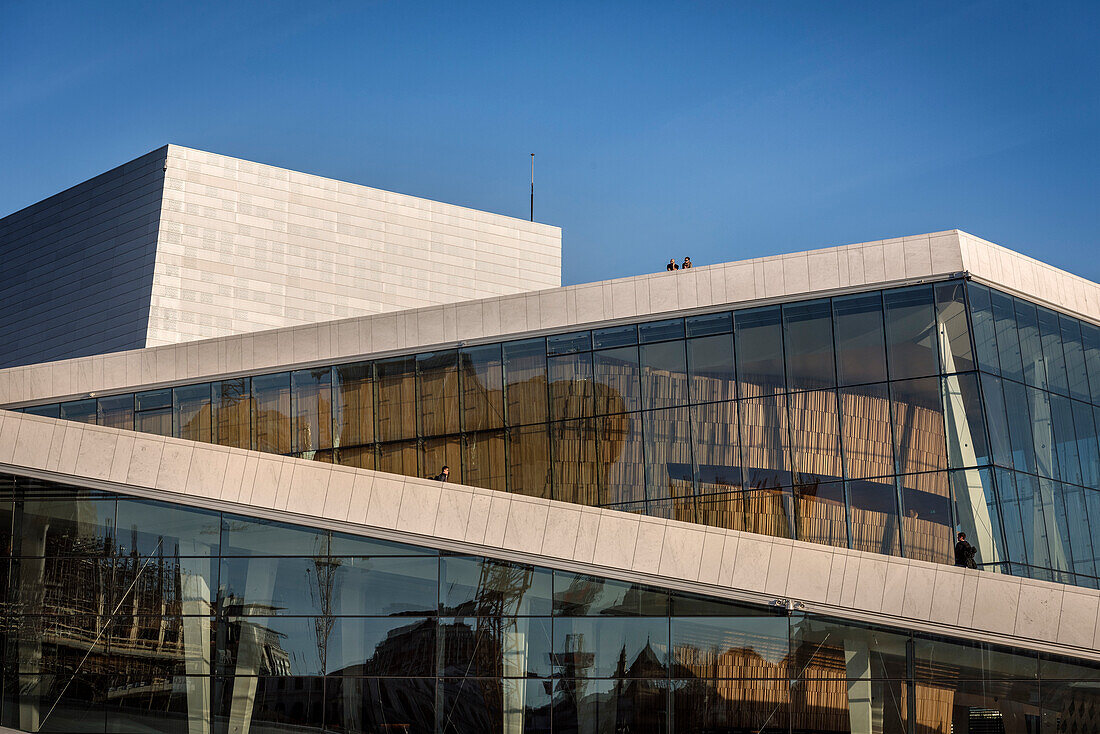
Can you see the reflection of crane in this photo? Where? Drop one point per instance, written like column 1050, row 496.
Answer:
column 323, row 587
column 497, row 600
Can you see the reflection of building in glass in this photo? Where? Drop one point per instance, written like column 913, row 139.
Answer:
column 846, row 410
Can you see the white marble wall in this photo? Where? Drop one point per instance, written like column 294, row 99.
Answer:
column 244, row 247
column 882, row 589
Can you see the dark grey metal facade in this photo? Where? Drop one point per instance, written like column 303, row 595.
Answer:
column 78, row 267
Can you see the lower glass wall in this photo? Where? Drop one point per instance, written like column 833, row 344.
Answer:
column 127, row 615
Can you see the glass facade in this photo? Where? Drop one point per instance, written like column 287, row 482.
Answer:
column 1040, row 392
column 884, row 421
column 130, row 615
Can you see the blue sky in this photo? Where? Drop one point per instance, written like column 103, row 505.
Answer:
column 717, row 130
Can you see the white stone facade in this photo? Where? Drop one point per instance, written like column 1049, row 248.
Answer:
column 244, row 247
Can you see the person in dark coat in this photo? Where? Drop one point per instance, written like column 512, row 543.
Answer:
column 687, row 263
column 964, row 553
column 672, row 264
column 442, row 476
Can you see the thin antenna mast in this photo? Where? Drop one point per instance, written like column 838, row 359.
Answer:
column 532, row 187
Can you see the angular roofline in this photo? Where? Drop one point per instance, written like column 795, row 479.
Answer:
column 800, row 275
column 856, row 585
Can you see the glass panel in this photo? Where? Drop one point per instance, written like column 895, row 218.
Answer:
column 717, row 458
column 233, row 413
column 1065, row 439
column 153, row 399
column 1017, row 542
column 438, row 384
column 656, row 331
column 353, row 412
column 525, row 380
column 1008, row 342
column 514, row 647
column 479, row 587
column 381, row 704
column 919, row 439
column 947, row 660
column 157, row 422
column 599, row 706
column 46, row 411
column 117, row 411
column 815, row 436
column 956, row 354
column 403, row 646
column 1042, row 426
column 579, row 341
column 759, row 334
column 710, row 364
column 808, row 328
column 1090, row 335
column 71, row 527
column 926, row 517
column 260, row 704
column 396, row 383
column 494, row 705
column 1019, row 427
column 966, row 444
column 311, row 400
column 1050, row 333
column 69, row 704
column 911, row 347
column 701, row 706
column 576, row 595
column 865, row 427
column 977, row 513
column 668, row 468
column 616, row 336
column 765, row 441
column 271, row 413
column 149, row 528
column 860, row 339
column 874, row 509
column 664, row 375
column 1075, row 357
column 570, row 386
column 1085, row 430
column 483, row 463
column 820, row 513
column 822, row 647
column 714, row 323
column 985, row 332
column 360, row 457
column 440, row 453
column 193, row 413
column 482, row 371
column 399, row 457
column 768, row 511
column 602, row 647
column 751, row 646
column 996, row 419
column 616, row 378
column 319, row 584
column 575, row 462
column 1076, row 529
column 619, row 439
column 1031, row 348
column 81, row 411
column 529, row 461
